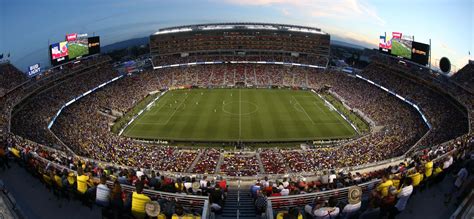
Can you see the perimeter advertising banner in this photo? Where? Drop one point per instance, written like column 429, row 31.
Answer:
column 34, row 70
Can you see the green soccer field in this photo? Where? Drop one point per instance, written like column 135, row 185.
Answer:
column 247, row 115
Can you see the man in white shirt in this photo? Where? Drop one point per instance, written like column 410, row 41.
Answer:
column 354, row 199
column 403, row 197
column 332, row 176
column 285, row 191
column 203, row 182
column 285, row 182
column 102, row 193
column 265, row 182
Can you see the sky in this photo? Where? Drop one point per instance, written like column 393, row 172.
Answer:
column 27, row 27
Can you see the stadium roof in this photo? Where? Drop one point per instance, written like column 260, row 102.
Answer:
column 239, row 25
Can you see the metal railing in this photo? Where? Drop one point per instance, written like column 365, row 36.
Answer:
column 190, row 201
column 279, row 202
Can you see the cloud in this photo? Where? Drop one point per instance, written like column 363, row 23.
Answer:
column 285, row 12
column 350, row 10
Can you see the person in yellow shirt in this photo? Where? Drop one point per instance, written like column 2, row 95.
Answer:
column 382, row 188
column 428, row 169
column 83, row 181
column 416, row 177
column 138, row 201
column 437, row 173
column 396, row 181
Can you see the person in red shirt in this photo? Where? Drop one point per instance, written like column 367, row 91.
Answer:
column 223, row 184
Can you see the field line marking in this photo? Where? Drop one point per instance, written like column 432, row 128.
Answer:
column 157, row 110
column 303, row 109
column 176, row 109
column 128, row 129
column 240, row 113
column 320, row 109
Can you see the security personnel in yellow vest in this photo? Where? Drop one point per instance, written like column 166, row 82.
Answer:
column 138, row 201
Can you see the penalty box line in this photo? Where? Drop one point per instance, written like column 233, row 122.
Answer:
column 303, row 109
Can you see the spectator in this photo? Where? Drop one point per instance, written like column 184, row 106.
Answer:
column 138, row 201
column 388, row 202
column 82, row 181
column 403, row 196
column 102, row 197
column 354, row 199
column 382, row 188
column 260, row 203
column 116, row 201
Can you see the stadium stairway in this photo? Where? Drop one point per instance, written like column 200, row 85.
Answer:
column 234, row 205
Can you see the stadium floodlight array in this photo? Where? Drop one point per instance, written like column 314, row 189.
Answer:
column 228, row 26
column 174, row 31
column 238, row 62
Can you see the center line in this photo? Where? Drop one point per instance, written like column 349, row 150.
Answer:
column 240, row 113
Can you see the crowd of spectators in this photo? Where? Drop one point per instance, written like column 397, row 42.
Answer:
column 85, row 128
column 465, row 77
column 383, row 198
column 446, row 119
column 240, row 164
column 18, row 93
column 72, row 176
column 10, row 77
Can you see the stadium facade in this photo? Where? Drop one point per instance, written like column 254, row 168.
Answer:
column 258, row 40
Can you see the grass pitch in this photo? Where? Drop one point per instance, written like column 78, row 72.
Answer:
column 246, row 115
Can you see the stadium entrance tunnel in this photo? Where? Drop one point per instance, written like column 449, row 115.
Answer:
column 240, row 108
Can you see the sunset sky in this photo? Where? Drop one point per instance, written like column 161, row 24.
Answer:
column 28, row 26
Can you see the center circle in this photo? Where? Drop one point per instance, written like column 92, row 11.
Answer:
column 239, row 108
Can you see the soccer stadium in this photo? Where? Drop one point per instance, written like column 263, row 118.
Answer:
column 236, row 120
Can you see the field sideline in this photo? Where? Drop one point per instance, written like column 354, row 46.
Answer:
column 247, row 115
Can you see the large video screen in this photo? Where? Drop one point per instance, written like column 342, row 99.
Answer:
column 75, row 47
column 401, row 47
column 78, row 45
column 59, row 53
column 420, row 53
column 94, row 45
column 385, row 45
